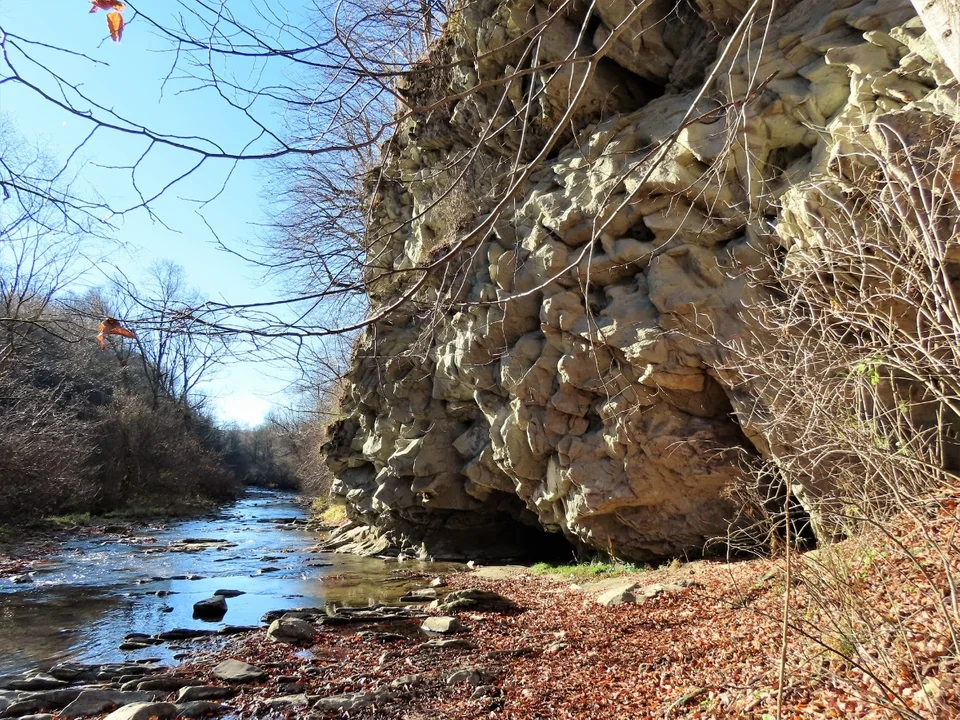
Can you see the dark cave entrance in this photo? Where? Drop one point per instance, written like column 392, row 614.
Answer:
column 508, row 532
column 783, row 512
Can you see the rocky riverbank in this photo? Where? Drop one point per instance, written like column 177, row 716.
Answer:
column 869, row 638
column 692, row 640
column 689, row 640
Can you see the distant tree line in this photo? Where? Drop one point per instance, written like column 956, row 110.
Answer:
column 282, row 453
column 123, row 427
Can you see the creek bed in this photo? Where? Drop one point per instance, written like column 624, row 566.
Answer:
column 89, row 593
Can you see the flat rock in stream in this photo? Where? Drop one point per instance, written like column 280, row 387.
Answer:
column 145, row 711
column 229, row 593
column 166, row 684
column 37, row 681
column 192, row 545
column 24, row 704
column 205, row 692
column 95, row 702
column 185, row 634
column 128, row 645
column 345, row 616
column 237, row 629
column 7, row 698
column 74, row 672
column 197, row 709
column 308, row 613
column 238, row 671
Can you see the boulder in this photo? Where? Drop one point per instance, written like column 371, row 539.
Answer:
column 291, row 631
column 211, row 609
column 633, row 592
column 474, row 676
column 443, row 625
column 619, row 595
column 237, row 671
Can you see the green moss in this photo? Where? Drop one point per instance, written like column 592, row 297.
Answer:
column 69, row 520
column 586, row 571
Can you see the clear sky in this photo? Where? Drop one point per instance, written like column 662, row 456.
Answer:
column 128, row 78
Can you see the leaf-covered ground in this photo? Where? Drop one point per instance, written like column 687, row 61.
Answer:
column 871, row 637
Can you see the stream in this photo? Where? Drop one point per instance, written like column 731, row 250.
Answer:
column 91, row 592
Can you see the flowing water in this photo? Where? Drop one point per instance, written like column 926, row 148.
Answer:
column 93, row 591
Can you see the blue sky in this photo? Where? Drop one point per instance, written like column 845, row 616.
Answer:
column 128, row 78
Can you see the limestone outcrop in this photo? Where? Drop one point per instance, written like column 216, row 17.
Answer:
column 570, row 252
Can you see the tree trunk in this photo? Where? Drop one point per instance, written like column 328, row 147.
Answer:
column 941, row 18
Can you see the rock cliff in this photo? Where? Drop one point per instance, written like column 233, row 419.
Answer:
column 564, row 235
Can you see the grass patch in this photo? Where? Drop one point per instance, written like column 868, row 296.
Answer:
column 146, row 508
column 162, row 507
column 329, row 513
column 587, row 571
column 9, row 533
column 68, row 520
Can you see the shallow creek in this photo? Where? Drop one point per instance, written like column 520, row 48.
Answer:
column 85, row 597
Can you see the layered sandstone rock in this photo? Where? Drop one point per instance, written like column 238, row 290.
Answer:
column 560, row 369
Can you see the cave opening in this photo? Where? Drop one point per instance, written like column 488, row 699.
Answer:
column 781, row 510
column 767, row 494
column 509, row 533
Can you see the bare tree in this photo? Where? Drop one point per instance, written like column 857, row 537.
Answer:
column 174, row 354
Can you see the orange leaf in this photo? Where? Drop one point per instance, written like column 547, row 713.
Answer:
column 112, row 326
column 107, row 5
column 115, row 25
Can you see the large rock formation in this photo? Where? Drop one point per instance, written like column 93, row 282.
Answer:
column 559, row 369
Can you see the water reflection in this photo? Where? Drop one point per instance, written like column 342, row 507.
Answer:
column 95, row 591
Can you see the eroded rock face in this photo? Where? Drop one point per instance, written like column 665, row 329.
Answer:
column 561, row 369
